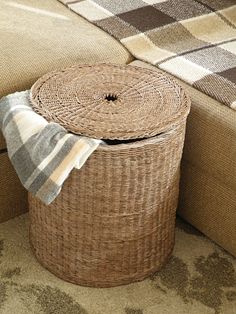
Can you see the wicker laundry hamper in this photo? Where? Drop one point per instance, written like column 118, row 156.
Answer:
column 113, row 222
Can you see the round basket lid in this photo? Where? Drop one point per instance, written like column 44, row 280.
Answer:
column 108, row 101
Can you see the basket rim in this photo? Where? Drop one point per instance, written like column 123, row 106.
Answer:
column 156, row 139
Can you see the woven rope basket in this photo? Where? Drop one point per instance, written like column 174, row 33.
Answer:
column 113, row 222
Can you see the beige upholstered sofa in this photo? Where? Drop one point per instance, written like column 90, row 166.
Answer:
column 45, row 35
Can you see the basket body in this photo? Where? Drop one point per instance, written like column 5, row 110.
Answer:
column 113, row 222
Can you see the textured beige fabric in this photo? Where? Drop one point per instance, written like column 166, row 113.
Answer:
column 39, row 36
column 209, row 205
column 13, row 197
column 208, row 187
column 211, row 138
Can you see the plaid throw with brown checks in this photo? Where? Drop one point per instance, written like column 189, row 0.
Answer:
column 193, row 40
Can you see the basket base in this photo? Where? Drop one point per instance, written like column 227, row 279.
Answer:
column 105, row 284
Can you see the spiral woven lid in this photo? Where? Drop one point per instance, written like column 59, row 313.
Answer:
column 110, row 101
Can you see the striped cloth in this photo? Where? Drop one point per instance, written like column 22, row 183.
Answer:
column 43, row 154
column 193, row 40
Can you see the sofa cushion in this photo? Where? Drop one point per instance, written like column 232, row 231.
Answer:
column 209, row 205
column 39, row 36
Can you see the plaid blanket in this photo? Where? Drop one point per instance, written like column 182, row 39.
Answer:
column 42, row 153
column 193, row 40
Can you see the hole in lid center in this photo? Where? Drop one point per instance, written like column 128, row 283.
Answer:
column 111, row 97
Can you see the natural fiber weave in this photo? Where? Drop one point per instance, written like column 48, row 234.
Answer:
column 113, row 222
column 110, row 101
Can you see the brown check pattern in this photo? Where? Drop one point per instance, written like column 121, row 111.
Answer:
column 191, row 39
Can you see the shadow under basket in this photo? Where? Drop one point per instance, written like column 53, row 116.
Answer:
column 114, row 221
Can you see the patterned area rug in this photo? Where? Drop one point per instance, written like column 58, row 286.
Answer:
column 200, row 278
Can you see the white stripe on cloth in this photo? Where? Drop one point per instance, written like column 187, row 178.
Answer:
column 26, row 130
column 22, row 119
column 87, row 151
column 61, row 173
column 47, row 160
column 12, row 109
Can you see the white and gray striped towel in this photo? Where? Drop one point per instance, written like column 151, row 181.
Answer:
column 43, row 154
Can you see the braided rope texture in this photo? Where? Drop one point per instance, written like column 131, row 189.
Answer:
column 110, row 101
